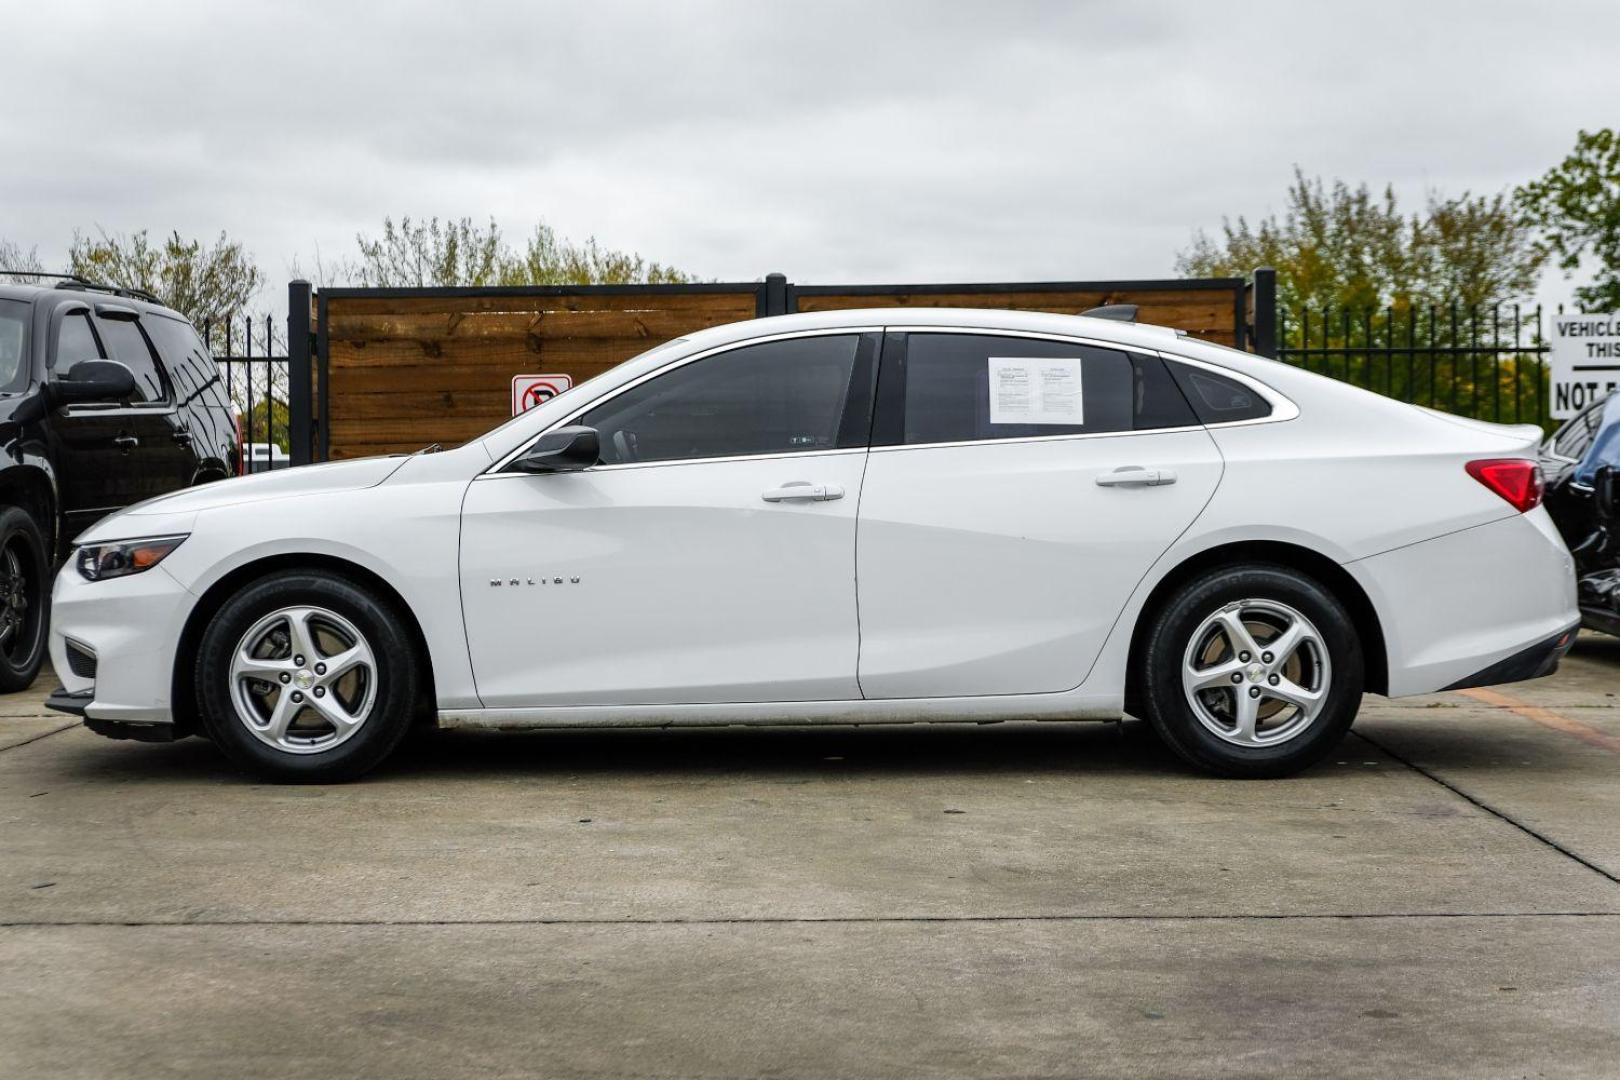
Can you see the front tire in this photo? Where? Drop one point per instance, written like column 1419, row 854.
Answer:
column 1252, row 671
column 25, row 598
column 304, row 677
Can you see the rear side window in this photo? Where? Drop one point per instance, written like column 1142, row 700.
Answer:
column 129, row 347
column 1217, row 399
column 970, row 387
column 191, row 369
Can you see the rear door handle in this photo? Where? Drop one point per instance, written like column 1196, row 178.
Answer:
column 126, row 443
column 803, row 491
column 1136, row 476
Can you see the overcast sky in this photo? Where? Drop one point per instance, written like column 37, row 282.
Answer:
column 846, row 142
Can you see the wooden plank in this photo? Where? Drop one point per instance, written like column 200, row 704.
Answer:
column 742, row 304
column 454, row 378
column 422, row 430
column 650, row 327
column 514, row 354
column 490, row 405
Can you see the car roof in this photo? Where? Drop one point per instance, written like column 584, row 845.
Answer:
column 1141, row 335
column 68, row 291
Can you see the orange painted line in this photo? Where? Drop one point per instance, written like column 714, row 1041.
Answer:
column 1546, row 718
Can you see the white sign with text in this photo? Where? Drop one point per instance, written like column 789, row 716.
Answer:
column 1585, row 361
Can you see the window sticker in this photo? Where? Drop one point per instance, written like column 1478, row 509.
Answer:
column 1036, row 390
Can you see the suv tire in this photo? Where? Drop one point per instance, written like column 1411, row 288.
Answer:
column 25, row 599
column 305, row 677
column 1251, row 671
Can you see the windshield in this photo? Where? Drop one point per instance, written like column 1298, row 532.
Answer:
column 1605, row 449
column 13, row 341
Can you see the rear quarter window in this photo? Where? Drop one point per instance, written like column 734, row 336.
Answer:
column 1218, row 399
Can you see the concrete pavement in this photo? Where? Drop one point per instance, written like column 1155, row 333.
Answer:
column 1443, row 896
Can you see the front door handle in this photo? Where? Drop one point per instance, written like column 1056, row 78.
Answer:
column 183, row 438
column 126, row 443
column 803, row 491
column 1136, row 476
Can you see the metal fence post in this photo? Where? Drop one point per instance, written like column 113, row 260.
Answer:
column 775, row 294
column 1265, row 312
column 300, row 384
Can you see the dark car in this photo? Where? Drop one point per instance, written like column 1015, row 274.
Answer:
column 107, row 397
column 1581, row 463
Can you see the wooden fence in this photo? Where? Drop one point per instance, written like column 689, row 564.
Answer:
column 392, row 370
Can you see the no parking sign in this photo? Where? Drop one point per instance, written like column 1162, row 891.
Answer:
column 531, row 390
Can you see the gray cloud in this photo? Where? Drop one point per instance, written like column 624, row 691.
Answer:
column 833, row 141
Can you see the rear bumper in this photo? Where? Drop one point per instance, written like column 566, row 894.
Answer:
column 1538, row 661
column 1457, row 607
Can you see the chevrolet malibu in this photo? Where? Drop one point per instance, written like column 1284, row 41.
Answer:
column 857, row 517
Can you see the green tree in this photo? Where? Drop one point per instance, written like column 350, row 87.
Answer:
column 423, row 253
column 550, row 260
column 459, row 252
column 1576, row 209
column 206, row 284
column 1346, row 248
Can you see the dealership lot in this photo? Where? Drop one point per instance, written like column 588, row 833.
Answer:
column 1442, row 896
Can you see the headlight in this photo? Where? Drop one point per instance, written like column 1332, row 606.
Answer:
column 119, row 558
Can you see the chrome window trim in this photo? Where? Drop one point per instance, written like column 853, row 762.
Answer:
column 1283, row 409
column 665, row 370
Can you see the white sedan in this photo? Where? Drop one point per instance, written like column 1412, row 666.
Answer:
column 854, row 517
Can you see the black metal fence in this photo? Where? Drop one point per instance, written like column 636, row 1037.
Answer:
column 1486, row 362
column 256, row 380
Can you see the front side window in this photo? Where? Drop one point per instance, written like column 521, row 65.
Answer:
column 13, row 343
column 776, row 397
column 970, row 387
column 75, row 341
column 130, row 348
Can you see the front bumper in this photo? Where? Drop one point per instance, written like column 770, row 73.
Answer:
column 131, row 625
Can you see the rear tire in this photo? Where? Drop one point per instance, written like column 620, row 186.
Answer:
column 25, row 599
column 1251, row 671
column 304, row 677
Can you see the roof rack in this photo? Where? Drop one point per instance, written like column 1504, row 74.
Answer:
column 74, row 281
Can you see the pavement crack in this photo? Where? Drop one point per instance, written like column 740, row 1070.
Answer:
column 1530, row 831
column 42, row 735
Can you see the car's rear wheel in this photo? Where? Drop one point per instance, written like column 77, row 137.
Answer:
column 24, row 599
column 1252, row 671
column 306, row 678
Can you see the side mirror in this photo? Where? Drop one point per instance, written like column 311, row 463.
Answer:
column 92, row 380
column 564, row 449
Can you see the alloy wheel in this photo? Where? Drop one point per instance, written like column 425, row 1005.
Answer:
column 303, row 679
column 1256, row 673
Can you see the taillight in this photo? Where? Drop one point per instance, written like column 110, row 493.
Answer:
column 241, row 449
column 1515, row 479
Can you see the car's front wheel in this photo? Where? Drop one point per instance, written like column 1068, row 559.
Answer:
column 1252, row 671
column 303, row 677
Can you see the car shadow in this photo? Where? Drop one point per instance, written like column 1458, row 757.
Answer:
column 785, row 754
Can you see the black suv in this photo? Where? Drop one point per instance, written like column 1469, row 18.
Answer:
column 106, row 398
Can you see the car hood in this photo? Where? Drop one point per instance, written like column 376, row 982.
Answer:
column 278, row 484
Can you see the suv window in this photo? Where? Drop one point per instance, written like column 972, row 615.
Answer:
column 13, row 344
column 970, row 387
column 130, row 348
column 190, row 367
column 75, row 341
column 1218, row 399
column 772, row 398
